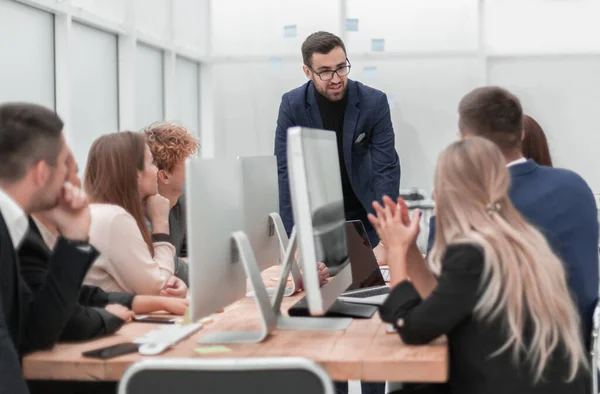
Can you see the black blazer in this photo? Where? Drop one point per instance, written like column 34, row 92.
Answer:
column 449, row 310
column 31, row 321
column 89, row 319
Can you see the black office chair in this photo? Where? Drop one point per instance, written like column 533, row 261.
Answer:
column 216, row 376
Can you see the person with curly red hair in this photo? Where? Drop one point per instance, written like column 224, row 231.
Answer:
column 170, row 144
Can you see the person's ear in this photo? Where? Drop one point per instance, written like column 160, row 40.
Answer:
column 40, row 173
column 522, row 135
column 307, row 71
column 163, row 177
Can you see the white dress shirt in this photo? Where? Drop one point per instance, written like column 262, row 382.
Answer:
column 514, row 163
column 15, row 218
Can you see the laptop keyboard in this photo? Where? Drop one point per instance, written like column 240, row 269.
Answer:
column 369, row 292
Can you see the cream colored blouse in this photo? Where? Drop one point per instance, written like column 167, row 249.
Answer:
column 125, row 263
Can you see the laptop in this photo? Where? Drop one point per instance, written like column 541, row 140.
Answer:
column 368, row 285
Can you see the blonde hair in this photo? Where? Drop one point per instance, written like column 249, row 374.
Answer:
column 523, row 281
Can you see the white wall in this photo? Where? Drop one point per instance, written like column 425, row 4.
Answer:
column 242, row 27
column 563, row 94
column 436, row 51
column 94, row 88
column 27, row 63
column 226, row 64
column 105, row 65
column 149, row 87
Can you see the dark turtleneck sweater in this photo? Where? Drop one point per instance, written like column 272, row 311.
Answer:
column 332, row 114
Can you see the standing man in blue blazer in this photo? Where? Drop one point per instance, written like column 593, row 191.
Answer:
column 360, row 117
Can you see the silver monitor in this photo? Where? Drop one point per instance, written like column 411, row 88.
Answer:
column 220, row 251
column 214, row 213
column 318, row 206
column 261, row 198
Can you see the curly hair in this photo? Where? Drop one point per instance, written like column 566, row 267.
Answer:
column 170, row 143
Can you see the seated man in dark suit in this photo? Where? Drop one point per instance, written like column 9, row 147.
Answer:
column 32, row 178
column 360, row 117
column 557, row 201
column 171, row 144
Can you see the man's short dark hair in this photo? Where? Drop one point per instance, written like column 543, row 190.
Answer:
column 494, row 113
column 320, row 42
column 28, row 133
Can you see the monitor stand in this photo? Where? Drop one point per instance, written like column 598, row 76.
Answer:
column 296, row 322
column 277, row 228
column 267, row 316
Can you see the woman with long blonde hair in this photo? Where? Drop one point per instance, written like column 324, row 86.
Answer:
column 493, row 285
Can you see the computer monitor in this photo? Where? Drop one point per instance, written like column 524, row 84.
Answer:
column 318, row 206
column 260, row 189
column 220, row 252
column 214, row 212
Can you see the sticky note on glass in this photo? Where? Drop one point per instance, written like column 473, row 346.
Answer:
column 351, row 24
column 212, row 350
column 378, row 45
column 276, row 64
column 289, row 31
column 370, row 72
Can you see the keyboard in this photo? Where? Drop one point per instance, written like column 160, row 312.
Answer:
column 338, row 309
column 163, row 337
column 375, row 291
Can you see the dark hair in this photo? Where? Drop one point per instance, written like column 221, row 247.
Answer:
column 28, row 133
column 494, row 113
column 112, row 171
column 535, row 144
column 320, row 42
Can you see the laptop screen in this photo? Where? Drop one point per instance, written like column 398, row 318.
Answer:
column 365, row 270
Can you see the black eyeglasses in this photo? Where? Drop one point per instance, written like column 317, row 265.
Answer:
column 328, row 75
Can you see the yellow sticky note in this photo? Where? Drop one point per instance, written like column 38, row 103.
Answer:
column 212, row 349
column 185, row 320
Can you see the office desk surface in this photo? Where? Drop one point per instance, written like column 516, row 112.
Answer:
column 363, row 352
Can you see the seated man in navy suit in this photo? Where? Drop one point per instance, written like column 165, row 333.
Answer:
column 557, row 201
column 360, row 117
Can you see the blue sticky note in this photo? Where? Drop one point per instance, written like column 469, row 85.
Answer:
column 378, row 45
column 276, row 64
column 289, row 31
column 351, row 24
column 370, row 72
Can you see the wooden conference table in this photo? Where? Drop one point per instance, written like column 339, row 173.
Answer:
column 365, row 351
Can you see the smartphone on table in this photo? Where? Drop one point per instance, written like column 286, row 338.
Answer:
column 155, row 319
column 112, row 351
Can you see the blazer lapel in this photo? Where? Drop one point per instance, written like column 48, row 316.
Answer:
column 312, row 108
column 350, row 124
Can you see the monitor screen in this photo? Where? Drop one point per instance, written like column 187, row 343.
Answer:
column 326, row 202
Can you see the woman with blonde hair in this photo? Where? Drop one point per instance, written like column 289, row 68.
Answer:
column 494, row 287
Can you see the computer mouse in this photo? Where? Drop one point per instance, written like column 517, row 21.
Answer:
column 152, row 349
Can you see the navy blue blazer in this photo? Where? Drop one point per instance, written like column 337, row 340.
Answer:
column 372, row 162
column 562, row 206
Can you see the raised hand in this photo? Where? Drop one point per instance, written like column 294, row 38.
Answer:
column 395, row 231
column 72, row 215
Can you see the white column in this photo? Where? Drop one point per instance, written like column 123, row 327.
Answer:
column 207, row 94
column 127, row 47
column 62, row 64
